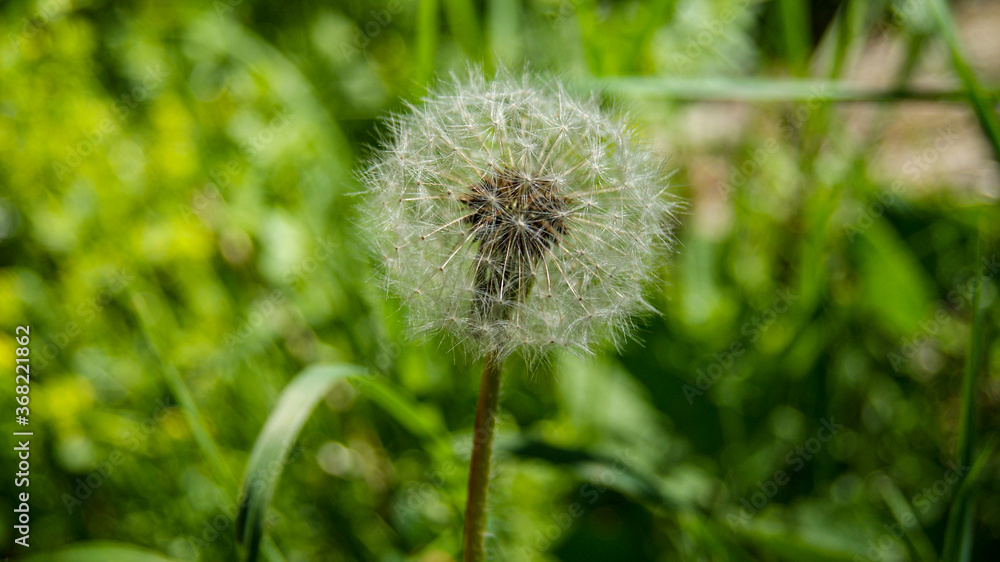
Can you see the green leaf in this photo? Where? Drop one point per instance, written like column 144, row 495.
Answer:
column 270, row 451
column 102, row 551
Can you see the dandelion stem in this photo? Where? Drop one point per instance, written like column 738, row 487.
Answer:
column 482, row 451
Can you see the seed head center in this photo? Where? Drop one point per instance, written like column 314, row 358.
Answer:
column 516, row 217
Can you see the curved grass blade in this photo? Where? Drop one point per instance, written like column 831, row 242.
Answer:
column 102, row 551
column 421, row 421
column 632, row 483
column 270, row 451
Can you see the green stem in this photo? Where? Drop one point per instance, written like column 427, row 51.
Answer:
column 425, row 42
column 967, row 421
column 959, row 529
column 795, row 32
column 482, row 451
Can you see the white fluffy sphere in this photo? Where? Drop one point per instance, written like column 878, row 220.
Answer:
column 513, row 214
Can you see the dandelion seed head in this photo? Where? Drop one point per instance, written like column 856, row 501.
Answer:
column 512, row 214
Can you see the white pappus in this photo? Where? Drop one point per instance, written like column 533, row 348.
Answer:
column 515, row 215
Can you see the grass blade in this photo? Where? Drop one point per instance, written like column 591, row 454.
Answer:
column 966, row 429
column 958, row 533
column 151, row 313
column 977, row 96
column 420, row 421
column 795, row 32
column 903, row 512
column 724, row 88
column 280, row 431
column 464, row 24
column 847, row 26
column 632, row 483
column 426, row 41
column 502, row 27
column 102, row 551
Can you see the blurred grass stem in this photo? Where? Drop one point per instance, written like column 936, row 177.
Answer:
column 959, row 529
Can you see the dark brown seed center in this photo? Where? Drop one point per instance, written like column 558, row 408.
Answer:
column 515, row 220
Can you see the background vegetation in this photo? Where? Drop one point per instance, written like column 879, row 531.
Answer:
column 176, row 228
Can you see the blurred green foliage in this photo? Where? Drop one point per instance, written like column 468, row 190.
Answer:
column 177, row 227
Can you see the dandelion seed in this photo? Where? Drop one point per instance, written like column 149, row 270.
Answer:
column 547, row 206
